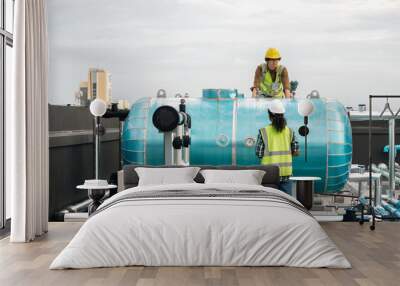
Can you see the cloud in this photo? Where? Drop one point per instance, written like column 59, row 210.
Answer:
column 345, row 48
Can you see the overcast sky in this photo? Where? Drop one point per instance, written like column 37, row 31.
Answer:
column 346, row 49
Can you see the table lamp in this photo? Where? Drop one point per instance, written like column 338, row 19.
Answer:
column 305, row 108
column 96, row 188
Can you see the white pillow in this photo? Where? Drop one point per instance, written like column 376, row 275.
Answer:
column 248, row 177
column 166, row 176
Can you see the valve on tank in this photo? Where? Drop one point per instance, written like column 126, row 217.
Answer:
column 176, row 128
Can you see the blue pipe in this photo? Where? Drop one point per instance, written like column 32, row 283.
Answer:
column 393, row 211
column 386, row 148
column 379, row 210
column 395, row 203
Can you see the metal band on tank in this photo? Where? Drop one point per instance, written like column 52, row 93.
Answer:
column 145, row 131
column 331, row 131
column 234, row 127
column 327, row 147
column 341, row 154
column 341, row 175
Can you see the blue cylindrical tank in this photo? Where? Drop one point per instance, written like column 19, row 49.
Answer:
column 224, row 131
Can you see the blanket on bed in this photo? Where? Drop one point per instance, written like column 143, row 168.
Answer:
column 201, row 224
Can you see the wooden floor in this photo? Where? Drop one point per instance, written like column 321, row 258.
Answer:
column 375, row 257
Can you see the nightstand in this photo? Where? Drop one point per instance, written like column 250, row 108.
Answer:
column 96, row 191
column 305, row 190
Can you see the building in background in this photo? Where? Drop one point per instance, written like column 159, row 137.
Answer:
column 81, row 96
column 99, row 85
column 83, row 88
column 123, row 104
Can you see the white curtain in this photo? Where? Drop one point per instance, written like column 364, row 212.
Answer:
column 27, row 123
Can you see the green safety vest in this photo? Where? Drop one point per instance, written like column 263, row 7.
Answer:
column 268, row 86
column 277, row 149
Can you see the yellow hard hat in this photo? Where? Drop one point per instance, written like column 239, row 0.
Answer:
column 273, row 54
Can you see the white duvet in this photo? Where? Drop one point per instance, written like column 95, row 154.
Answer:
column 200, row 231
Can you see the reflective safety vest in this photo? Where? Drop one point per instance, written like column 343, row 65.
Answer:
column 268, row 86
column 277, row 149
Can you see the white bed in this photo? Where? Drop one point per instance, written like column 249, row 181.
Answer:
column 185, row 230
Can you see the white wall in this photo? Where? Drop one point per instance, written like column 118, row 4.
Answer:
column 346, row 49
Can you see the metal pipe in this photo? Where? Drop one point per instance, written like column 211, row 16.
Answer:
column 392, row 210
column 185, row 134
column 305, row 137
column 384, row 173
column 168, row 148
column 372, row 227
column 186, row 150
column 121, row 127
column 97, row 147
column 370, row 149
column 178, row 152
column 395, row 203
column 79, row 206
column 378, row 193
column 392, row 155
column 305, row 148
column 380, row 210
column 339, row 195
column 396, row 169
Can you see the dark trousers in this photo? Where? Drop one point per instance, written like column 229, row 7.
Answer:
column 286, row 186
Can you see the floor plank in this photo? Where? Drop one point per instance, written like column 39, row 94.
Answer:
column 375, row 257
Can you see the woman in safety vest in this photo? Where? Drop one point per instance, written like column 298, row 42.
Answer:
column 276, row 144
column 271, row 79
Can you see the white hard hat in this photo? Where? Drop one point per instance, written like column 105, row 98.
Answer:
column 276, row 106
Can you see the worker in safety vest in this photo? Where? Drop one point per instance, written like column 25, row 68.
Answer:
column 276, row 144
column 271, row 79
